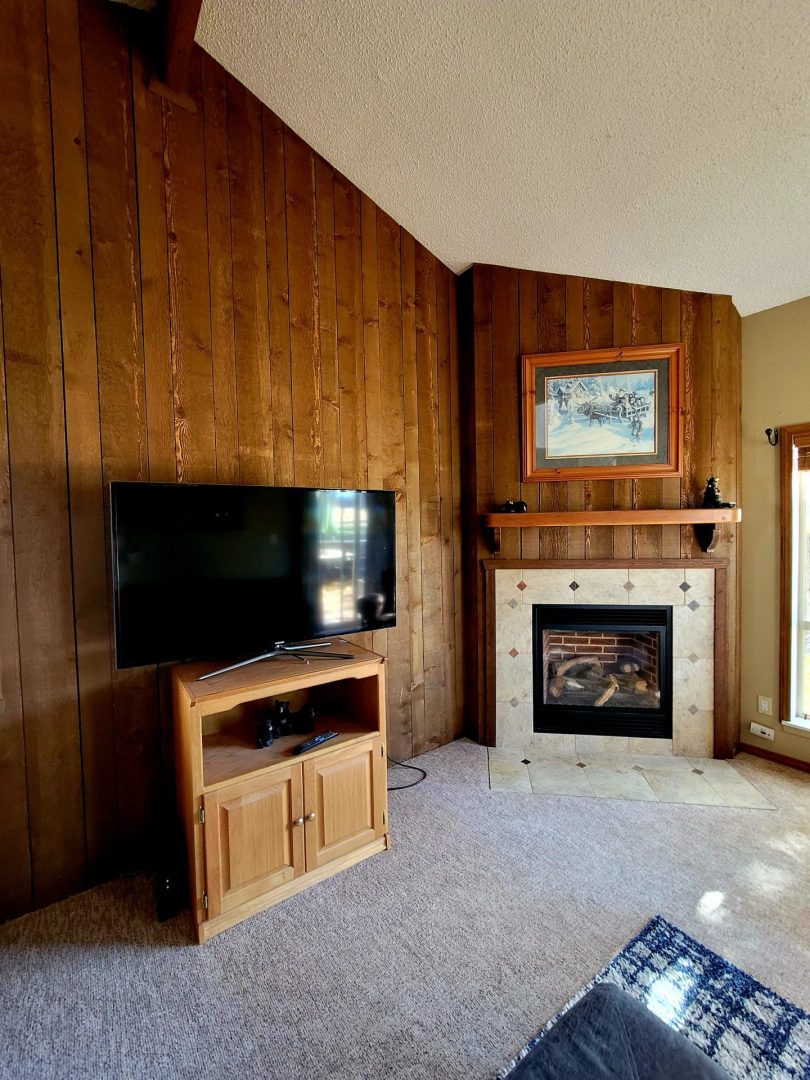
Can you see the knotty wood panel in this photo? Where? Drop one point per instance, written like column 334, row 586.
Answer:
column 37, row 466
column 504, row 313
column 187, row 297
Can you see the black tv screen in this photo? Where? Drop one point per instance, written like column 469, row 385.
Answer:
column 220, row 571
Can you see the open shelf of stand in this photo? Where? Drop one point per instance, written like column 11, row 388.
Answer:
column 232, row 753
column 704, row 520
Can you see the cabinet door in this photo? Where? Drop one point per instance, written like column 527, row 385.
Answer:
column 344, row 801
column 254, row 838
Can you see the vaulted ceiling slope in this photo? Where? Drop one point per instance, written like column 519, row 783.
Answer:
column 642, row 140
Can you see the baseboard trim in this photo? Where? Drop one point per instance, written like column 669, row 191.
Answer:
column 771, row 755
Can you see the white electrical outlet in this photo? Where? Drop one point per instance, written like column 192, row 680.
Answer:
column 764, row 705
column 762, row 731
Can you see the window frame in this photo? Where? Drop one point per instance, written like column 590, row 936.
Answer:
column 791, row 437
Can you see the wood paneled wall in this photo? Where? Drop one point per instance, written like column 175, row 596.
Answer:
column 505, row 313
column 186, row 297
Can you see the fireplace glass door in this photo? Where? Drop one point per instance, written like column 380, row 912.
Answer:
column 603, row 670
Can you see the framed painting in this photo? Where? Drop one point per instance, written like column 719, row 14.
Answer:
column 603, row 413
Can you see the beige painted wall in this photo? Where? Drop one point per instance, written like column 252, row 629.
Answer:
column 775, row 391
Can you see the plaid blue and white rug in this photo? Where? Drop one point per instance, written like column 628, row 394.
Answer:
column 753, row 1033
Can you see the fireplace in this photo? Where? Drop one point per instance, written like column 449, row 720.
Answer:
column 602, row 670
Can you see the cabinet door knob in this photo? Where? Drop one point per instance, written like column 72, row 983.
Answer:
column 298, row 821
column 311, row 817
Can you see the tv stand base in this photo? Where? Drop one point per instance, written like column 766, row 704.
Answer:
column 282, row 649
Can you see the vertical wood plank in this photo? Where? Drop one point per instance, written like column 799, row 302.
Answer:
column 687, row 327
column 430, row 497
column 647, row 494
column 372, row 371
column 349, row 289
column 189, row 296
column 726, row 423
column 327, row 322
column 122, row 394
column 622, row 489
column 552, row 337
column 36, row 448
column 305, row 344
column 670, row 486
column 249, row 254
column 455, row 430
column 484, row 478
column 446, row 722
column 83, row 438
column 505, row 397
column 575, row 339
column 16, row 892
column 597, row 299
column 220, row 270
column 389, row 299
column 159, row 371
column 413, row 486
column 696, row 314
column 153, row 247
column 278, row 299
column 528, row 343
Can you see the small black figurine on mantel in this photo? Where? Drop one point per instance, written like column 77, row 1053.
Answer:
column 514, row 507
column 713, row 496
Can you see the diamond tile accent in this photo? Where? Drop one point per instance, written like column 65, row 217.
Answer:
column 525, row 761
column 628, row 586
column 693, row 658
column 513, row 653
column 514, row 702
column 694, row 605
column 513, row 604
column 685, row 586
column 522, row 585
column 692, row 709
column 698, row 772
column 573, row 586
column 581, row 765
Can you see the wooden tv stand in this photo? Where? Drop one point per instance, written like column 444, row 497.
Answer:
column 261, row 825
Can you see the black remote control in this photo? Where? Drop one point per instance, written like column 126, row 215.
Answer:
column 310, row 744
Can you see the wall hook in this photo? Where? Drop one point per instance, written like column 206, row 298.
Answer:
column 772, row 435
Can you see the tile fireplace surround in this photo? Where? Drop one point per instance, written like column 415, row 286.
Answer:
column 689, row 588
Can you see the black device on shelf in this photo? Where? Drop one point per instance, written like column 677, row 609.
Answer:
column 213, row 570
column 310, row 744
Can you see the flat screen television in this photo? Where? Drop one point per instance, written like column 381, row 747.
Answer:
column 218, row 571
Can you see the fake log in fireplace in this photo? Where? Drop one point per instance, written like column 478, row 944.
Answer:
column 602, row 670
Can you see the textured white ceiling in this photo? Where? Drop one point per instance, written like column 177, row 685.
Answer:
column 659, row 141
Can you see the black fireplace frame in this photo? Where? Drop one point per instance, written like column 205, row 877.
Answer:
column 587, row 719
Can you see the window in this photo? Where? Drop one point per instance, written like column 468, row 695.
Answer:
column 795, row 630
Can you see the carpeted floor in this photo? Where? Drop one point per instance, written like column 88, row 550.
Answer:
column 439, row 958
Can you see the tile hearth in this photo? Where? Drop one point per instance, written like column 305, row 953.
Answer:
column 690, row 594
column 636, row 778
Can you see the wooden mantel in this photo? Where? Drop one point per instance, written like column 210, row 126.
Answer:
column 704, row 520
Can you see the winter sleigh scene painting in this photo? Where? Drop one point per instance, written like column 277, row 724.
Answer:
column 599, row 415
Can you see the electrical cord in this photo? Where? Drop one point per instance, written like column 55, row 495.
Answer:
column 402, row 765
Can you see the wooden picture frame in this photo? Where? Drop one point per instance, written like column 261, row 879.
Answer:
column 603, row 413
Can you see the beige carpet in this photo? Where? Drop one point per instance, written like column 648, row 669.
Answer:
column 436, row 959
